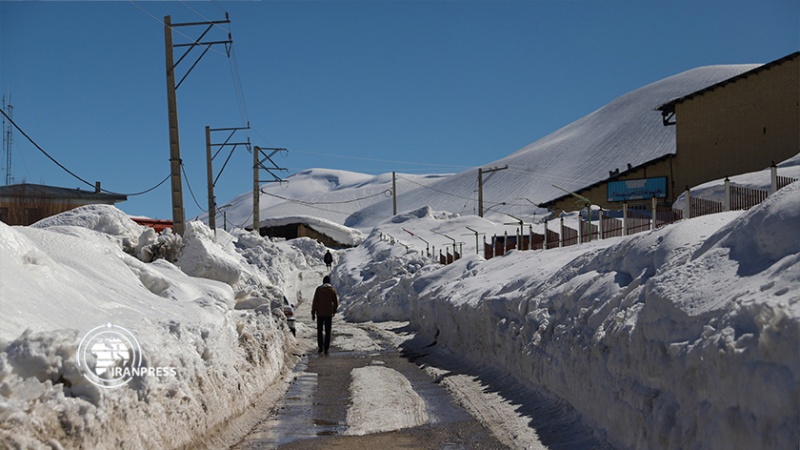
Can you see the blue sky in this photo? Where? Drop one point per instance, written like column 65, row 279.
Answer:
column 373, row 87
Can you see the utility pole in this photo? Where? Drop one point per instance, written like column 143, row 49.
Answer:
column 581, row 201
column 8, row 139
column 258, row 163
column 480, row 184
column 394, row 194
column 212, row 181
column 178, row 219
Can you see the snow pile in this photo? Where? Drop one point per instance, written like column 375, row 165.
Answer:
column 201, row 257
column 59, row 281
column 107, row 220
column 683, row 337
column 373, row 388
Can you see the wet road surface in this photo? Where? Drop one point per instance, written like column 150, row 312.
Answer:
column 312, row 414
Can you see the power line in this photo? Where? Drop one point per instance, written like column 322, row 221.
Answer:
column 63, row 167
column 343, row 202
column 174, row 29
column 436, row 190
column 43, row 151
column 233, row 65
column 186, row 177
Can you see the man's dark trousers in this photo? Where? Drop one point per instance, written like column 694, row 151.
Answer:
column 324, row 344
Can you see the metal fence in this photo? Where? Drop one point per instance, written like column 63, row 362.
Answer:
column 633, row 221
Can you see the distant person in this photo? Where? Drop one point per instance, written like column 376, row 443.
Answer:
column 328, row 258
column 323, row 308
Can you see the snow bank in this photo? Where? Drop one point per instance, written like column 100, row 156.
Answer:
column 201, row 257
column 686, row 337
column 67, row 276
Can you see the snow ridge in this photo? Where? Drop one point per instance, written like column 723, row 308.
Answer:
column 686, row 337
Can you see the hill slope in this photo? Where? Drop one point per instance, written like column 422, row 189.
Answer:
column 626, row 131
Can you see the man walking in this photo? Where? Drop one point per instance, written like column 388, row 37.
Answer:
column 328, row 258
column 323, row 308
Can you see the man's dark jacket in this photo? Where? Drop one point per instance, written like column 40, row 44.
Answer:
column 325, row 302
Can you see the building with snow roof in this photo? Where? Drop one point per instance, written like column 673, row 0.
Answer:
column 741, row 124
column 25, row 204
column 323, row 231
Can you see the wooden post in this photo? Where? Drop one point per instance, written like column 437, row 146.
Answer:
column 544, row 242
column 480, row 192
column 773, row 170
column 726, row 204
column 654, row 206
column 212, row 210
column 687, row 209
column 256, row 193
column 624, row 218
column 600, row 224
column 394, row 194
column 174, row 137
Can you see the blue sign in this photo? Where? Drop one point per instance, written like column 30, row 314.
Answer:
column 639, row 189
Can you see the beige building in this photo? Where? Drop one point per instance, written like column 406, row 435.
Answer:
column 739, row 125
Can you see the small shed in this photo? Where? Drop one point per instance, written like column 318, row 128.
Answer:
column 25, row 203
column 324, row 231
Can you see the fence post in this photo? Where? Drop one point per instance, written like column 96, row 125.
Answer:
column 624, row 218
column 773, row 169
column 726, row 205
column 580, row 228
column 530, row 237
column 687, row 208
column 655, row 214
column 600, row 224
column 544, row 241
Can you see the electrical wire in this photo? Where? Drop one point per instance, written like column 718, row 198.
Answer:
column 51, row 158
column 176, row 30
column 435, row 190
column 76, row 176
column 302, row 202
column 186, row 177
column 233, row 65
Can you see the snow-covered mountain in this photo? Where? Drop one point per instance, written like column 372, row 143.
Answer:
column 628, row 130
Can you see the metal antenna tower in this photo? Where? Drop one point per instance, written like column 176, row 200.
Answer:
column 8, row 139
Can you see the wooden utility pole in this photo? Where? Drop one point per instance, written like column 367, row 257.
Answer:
column 212, row 181
column 480, row 185
column 178, row 219
column 212, row 204
column 394, row 193
column 256, row 193
column 174, row 137
column 258, row 163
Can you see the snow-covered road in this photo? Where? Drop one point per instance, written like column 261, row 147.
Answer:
column 378, row 387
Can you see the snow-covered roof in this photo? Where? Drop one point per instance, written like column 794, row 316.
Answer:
column 339, row 233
